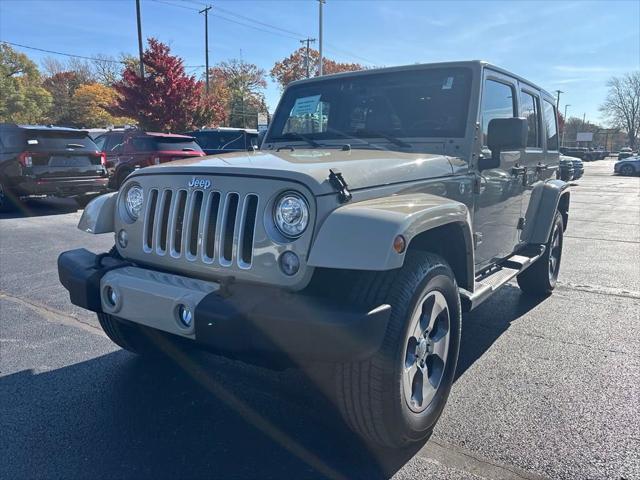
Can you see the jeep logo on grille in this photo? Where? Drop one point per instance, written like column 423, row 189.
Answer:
column 202, row 183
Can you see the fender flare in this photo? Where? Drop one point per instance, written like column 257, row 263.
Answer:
column 98, row 215
column 359, row 236
column 544, row 201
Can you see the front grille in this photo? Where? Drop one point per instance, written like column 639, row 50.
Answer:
column 211, row 227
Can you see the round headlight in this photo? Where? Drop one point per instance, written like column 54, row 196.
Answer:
column 291, row 214
column 133, row 201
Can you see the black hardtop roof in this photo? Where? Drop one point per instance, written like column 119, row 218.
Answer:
column 419, row 66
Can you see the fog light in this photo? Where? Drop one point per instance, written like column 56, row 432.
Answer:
column 184, row 315
column 123, row 238
column 111, row 296
column 289, row 263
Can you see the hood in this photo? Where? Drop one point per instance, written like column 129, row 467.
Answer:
column 361, row 168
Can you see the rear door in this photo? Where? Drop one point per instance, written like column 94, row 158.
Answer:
column 56, row 154
column 498, row 202
column 533, row 158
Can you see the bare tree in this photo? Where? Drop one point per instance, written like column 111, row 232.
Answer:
column 107, row 69
column 622, row 105
column 82, row 68
column 51, row 66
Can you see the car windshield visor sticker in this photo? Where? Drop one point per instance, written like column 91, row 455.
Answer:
column 305, row 106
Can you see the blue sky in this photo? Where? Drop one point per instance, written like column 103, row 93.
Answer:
column 574, row 46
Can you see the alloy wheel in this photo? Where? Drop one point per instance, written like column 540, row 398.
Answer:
column 426, row 351
column 554, row 254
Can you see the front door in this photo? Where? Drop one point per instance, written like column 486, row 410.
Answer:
column 499, row 196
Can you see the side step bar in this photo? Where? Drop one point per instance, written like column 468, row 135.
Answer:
column 489, row 281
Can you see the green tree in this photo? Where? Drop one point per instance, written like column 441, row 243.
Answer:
column 22, row 98
column 62, row 86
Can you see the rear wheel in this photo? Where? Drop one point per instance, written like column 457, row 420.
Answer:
column 541, row 277
column 627, row 170
column 396, row 397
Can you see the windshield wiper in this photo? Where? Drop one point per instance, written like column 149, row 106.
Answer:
column 299, row 136
column 386, row 136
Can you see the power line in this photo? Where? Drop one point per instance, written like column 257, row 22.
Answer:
column 62, row 53
column 175, row 5
column 72, row 55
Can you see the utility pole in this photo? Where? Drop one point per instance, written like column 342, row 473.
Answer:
column 564, row 129
column 307, row 59
column 320, row 4
column 139, row 38
column 558, row 92
column 206, row 46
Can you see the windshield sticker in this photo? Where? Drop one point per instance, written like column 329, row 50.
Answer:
column 448, row 83
column 305, row 106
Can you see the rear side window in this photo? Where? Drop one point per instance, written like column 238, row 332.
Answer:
column 530, row 109
column 153, row 144
column 551, row 124
column 497, row 102
column 100, row 141
column 114, row 143
column 45, row 141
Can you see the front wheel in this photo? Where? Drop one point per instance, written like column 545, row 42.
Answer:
column 627, row 170
column 540, row 278
column 396, row 397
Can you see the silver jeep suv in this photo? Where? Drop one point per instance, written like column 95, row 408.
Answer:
column 382, row 205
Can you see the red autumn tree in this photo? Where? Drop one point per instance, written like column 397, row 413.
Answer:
column 166, row 99
column 294, row 67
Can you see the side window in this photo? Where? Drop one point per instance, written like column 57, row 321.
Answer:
column 530, row 109
column 551, row 122
column 497, row 102
column 114, row 143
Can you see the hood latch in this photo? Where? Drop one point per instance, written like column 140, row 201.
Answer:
column 338, row 182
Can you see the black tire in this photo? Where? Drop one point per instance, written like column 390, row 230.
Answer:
column 627, row 170
column 8, row 201
column 540, row 278
column 122, row 176
column 371, row 393
column 136, row 338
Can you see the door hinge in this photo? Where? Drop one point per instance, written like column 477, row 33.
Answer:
column 521, row 223
column 477, row 239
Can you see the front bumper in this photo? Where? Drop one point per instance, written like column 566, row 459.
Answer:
column 62, row 186
column 243, row 321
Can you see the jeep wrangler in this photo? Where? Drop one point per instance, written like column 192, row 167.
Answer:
column 382, row 205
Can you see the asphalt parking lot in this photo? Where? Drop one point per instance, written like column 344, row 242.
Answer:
column 545, row 389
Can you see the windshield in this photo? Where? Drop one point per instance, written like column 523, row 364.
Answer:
column 416, row 103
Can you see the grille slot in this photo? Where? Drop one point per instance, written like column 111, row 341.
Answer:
column 247, row 230
column 194, row 222
column 228, row 228
column 150, row 220
column 163, row 225
column 178, row 222
column 210, row 227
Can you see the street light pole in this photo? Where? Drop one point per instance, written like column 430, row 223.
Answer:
column 206, row 46
column 139, row 38
column 320, row 4
column 564, row 129
column 558, row 92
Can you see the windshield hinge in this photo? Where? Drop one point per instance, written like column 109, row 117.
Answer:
column 338, row 182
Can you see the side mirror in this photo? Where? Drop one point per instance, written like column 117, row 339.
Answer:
column 504, row 134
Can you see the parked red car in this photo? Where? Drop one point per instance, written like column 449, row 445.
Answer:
column 129, row 149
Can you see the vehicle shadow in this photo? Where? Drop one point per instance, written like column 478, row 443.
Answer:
column 40, row 207
column 197, row 416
